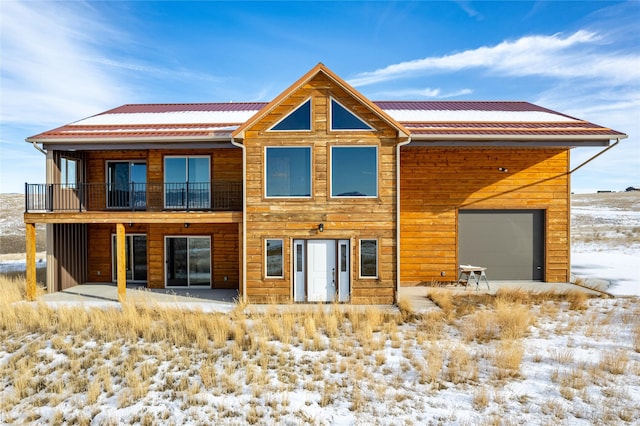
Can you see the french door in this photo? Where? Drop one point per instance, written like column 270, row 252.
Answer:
column 136, row 257
column 321, row 271
column 187, row 261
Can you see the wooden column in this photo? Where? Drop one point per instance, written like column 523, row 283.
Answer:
column 31, row 261
column 121, row 262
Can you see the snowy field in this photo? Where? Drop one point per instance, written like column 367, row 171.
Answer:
column 471, row 360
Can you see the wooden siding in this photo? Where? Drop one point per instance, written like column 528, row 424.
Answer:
column 225, row 163
column 350, row 219
column 438, row 182
column 224, row 246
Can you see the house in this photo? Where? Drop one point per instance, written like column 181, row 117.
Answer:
column 319, row 195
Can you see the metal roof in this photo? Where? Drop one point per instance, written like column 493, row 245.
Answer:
column 426, row 120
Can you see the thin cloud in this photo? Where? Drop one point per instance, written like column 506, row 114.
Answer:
column 58, row 63
column 469, row 10
column 46, row 76
column 573, row 56
column 420, row 93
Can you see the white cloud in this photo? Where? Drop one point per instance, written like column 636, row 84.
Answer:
column 419, row 93
column 46, row 75
column 574, row 56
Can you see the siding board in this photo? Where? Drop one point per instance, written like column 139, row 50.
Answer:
column 437, row 181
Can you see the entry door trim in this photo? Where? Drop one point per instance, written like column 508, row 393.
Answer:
column 301, row 272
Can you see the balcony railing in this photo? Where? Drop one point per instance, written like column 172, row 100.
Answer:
column 183, row 196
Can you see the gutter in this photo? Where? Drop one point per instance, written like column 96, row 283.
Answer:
column 35, row 145
column 244, row 216
column 398, row 281
column 511, row 137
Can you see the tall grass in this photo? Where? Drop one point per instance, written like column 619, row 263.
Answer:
column 360, row 358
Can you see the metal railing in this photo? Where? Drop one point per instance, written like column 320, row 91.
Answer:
column 183, row 196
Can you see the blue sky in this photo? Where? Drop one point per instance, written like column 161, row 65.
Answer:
column 63, row 61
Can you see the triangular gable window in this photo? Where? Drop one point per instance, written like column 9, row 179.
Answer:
column 343, row 119
column 298, row 120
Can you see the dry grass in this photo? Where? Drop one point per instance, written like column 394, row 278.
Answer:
column 360, row 358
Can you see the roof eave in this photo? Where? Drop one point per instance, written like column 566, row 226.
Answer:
column 126, row 140
column 448, row 136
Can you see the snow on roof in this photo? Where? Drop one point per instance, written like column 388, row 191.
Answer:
column 424, row 119
column 169, row 117
column 476, row 116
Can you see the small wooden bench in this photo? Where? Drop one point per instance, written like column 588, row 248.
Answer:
column 475, row 273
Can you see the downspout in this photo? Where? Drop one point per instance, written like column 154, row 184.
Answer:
column 244, row 217
column 594, row 157
column 400, row 145
column 35, row 145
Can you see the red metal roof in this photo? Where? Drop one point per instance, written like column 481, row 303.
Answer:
column 158, row 108
column 212, row 121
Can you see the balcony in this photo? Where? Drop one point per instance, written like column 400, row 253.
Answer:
column 184, row 196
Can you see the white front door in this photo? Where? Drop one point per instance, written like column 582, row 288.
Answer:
column 321, row 270
column 321, row 260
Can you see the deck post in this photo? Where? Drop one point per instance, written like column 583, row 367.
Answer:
column 121, row 262
column 31, row 261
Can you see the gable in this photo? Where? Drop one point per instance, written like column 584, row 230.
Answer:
column 321, row 87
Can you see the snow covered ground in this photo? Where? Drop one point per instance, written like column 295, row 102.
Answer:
column 572, row 362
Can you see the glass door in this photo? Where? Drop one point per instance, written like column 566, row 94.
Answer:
column 187, row 183
column 135, row 246
column 188, row 261
column 126, row 184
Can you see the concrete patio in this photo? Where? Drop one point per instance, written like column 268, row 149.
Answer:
column 214, row 300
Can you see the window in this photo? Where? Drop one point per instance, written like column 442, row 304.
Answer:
column 354, row 171
column 369, row 258
column 68, row 172
column 298, row 120
column 274, row 258
column 343, row 119
column 187, row 184
column 126, row 184
column 288, row 172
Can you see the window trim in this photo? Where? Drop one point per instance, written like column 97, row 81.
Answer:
column 310, row 129
column 289, row 197
column 331, row 100
column 330, row 174
column 377, row 259
column 266, row 259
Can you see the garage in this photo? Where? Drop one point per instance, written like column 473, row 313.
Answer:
column 510, row 243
